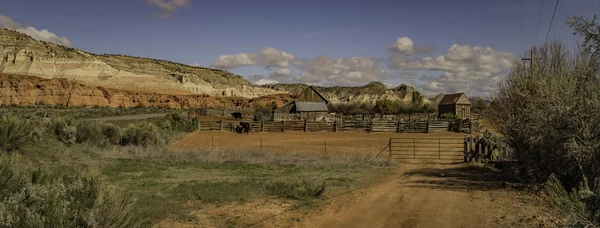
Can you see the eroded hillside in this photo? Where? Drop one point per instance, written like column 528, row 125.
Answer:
column 30, row 90
column 22, row 55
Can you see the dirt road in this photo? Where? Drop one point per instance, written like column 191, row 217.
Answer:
column 433, row 195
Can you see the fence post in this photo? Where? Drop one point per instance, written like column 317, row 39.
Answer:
column 199, row 126
column 477, row 146
column 220, row 125
column 466, row 148
column 305, row 126
column 390, row 147
column 335, row 123
column 371, row 130
column 262, row 126
column 428, row 124
column 282, row 125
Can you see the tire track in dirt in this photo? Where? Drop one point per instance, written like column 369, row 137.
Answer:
column 417, row 198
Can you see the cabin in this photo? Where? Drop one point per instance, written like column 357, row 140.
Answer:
column 457, row 104
column 309, row 105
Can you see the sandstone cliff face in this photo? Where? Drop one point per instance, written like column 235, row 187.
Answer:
column 22, row 55
column 369, row 93
column 28, row 90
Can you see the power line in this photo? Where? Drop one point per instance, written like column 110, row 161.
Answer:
column 552, row 20
column 557, row 15
column 539, row 20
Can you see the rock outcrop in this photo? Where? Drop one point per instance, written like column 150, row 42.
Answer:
column 22, row 55
column 30, row 90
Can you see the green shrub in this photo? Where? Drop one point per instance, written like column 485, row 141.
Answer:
column 64, row 201
column 581, row 206
column 97, row 133
column 16, row 132
column 64, row 129
column 178, row 122
column 295, row 190
column 142, row 134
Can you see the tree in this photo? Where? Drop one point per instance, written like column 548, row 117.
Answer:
column 479, row 106
column 590, row 30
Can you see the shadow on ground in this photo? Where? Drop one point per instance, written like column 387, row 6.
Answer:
column 457, row 178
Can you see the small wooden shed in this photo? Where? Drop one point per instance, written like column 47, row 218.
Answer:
column 310, row 105
column 457, row 104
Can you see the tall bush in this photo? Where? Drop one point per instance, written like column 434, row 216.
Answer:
column 549, row 115
column 16, row 132
column 143, row 134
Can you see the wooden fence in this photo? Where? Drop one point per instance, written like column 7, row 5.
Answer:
column 427, row 148
column 478, row 149
column 337, row 126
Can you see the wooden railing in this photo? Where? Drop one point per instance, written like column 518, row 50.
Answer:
column 337, row 126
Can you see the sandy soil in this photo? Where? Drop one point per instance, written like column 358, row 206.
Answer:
column 429, row 195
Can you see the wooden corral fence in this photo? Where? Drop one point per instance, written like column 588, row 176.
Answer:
column 337, row 126
column 479, row 148
column 427, row 148
column 468, row 148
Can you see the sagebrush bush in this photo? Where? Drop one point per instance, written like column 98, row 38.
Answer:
column 64, row 128
column 581, row 206
column 62, row 201
column 97, row 133
column 16, row 132
column 178, row 122
column 295, row 190
column 143, row 134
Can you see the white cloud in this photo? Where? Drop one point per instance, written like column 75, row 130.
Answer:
column 234, row 61
column 283, row 71
column 406, row 46
column 195, row 64
column 43, row 35
column 463, row 68
column 265, row 82
column 167, row 7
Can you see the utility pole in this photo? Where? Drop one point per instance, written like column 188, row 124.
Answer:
column 531, row 60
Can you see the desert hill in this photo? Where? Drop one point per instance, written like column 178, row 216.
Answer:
column 368, row 93
column 22, row 55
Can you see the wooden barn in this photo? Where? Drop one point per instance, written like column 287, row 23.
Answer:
column 309, row 105
column 457, row 104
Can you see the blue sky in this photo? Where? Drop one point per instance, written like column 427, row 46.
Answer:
column 199, row 32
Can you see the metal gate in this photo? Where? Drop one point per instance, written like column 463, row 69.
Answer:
column 427, row 148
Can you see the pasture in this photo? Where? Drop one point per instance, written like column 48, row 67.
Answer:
column 309, row 143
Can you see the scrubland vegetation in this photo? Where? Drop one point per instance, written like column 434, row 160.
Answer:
column 68, row 172
column 549, row 115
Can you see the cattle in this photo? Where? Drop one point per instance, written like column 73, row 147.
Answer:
column 237, row 115
column 246, row 128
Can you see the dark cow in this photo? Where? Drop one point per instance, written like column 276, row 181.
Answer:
column 246, row 128
column 237, row 115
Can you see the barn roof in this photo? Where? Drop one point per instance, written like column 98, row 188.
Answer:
column 450, row 99
column 311, row 106
column 316, row 92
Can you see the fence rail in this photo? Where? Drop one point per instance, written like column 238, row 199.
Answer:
column 337, row 126
column 427, row 148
